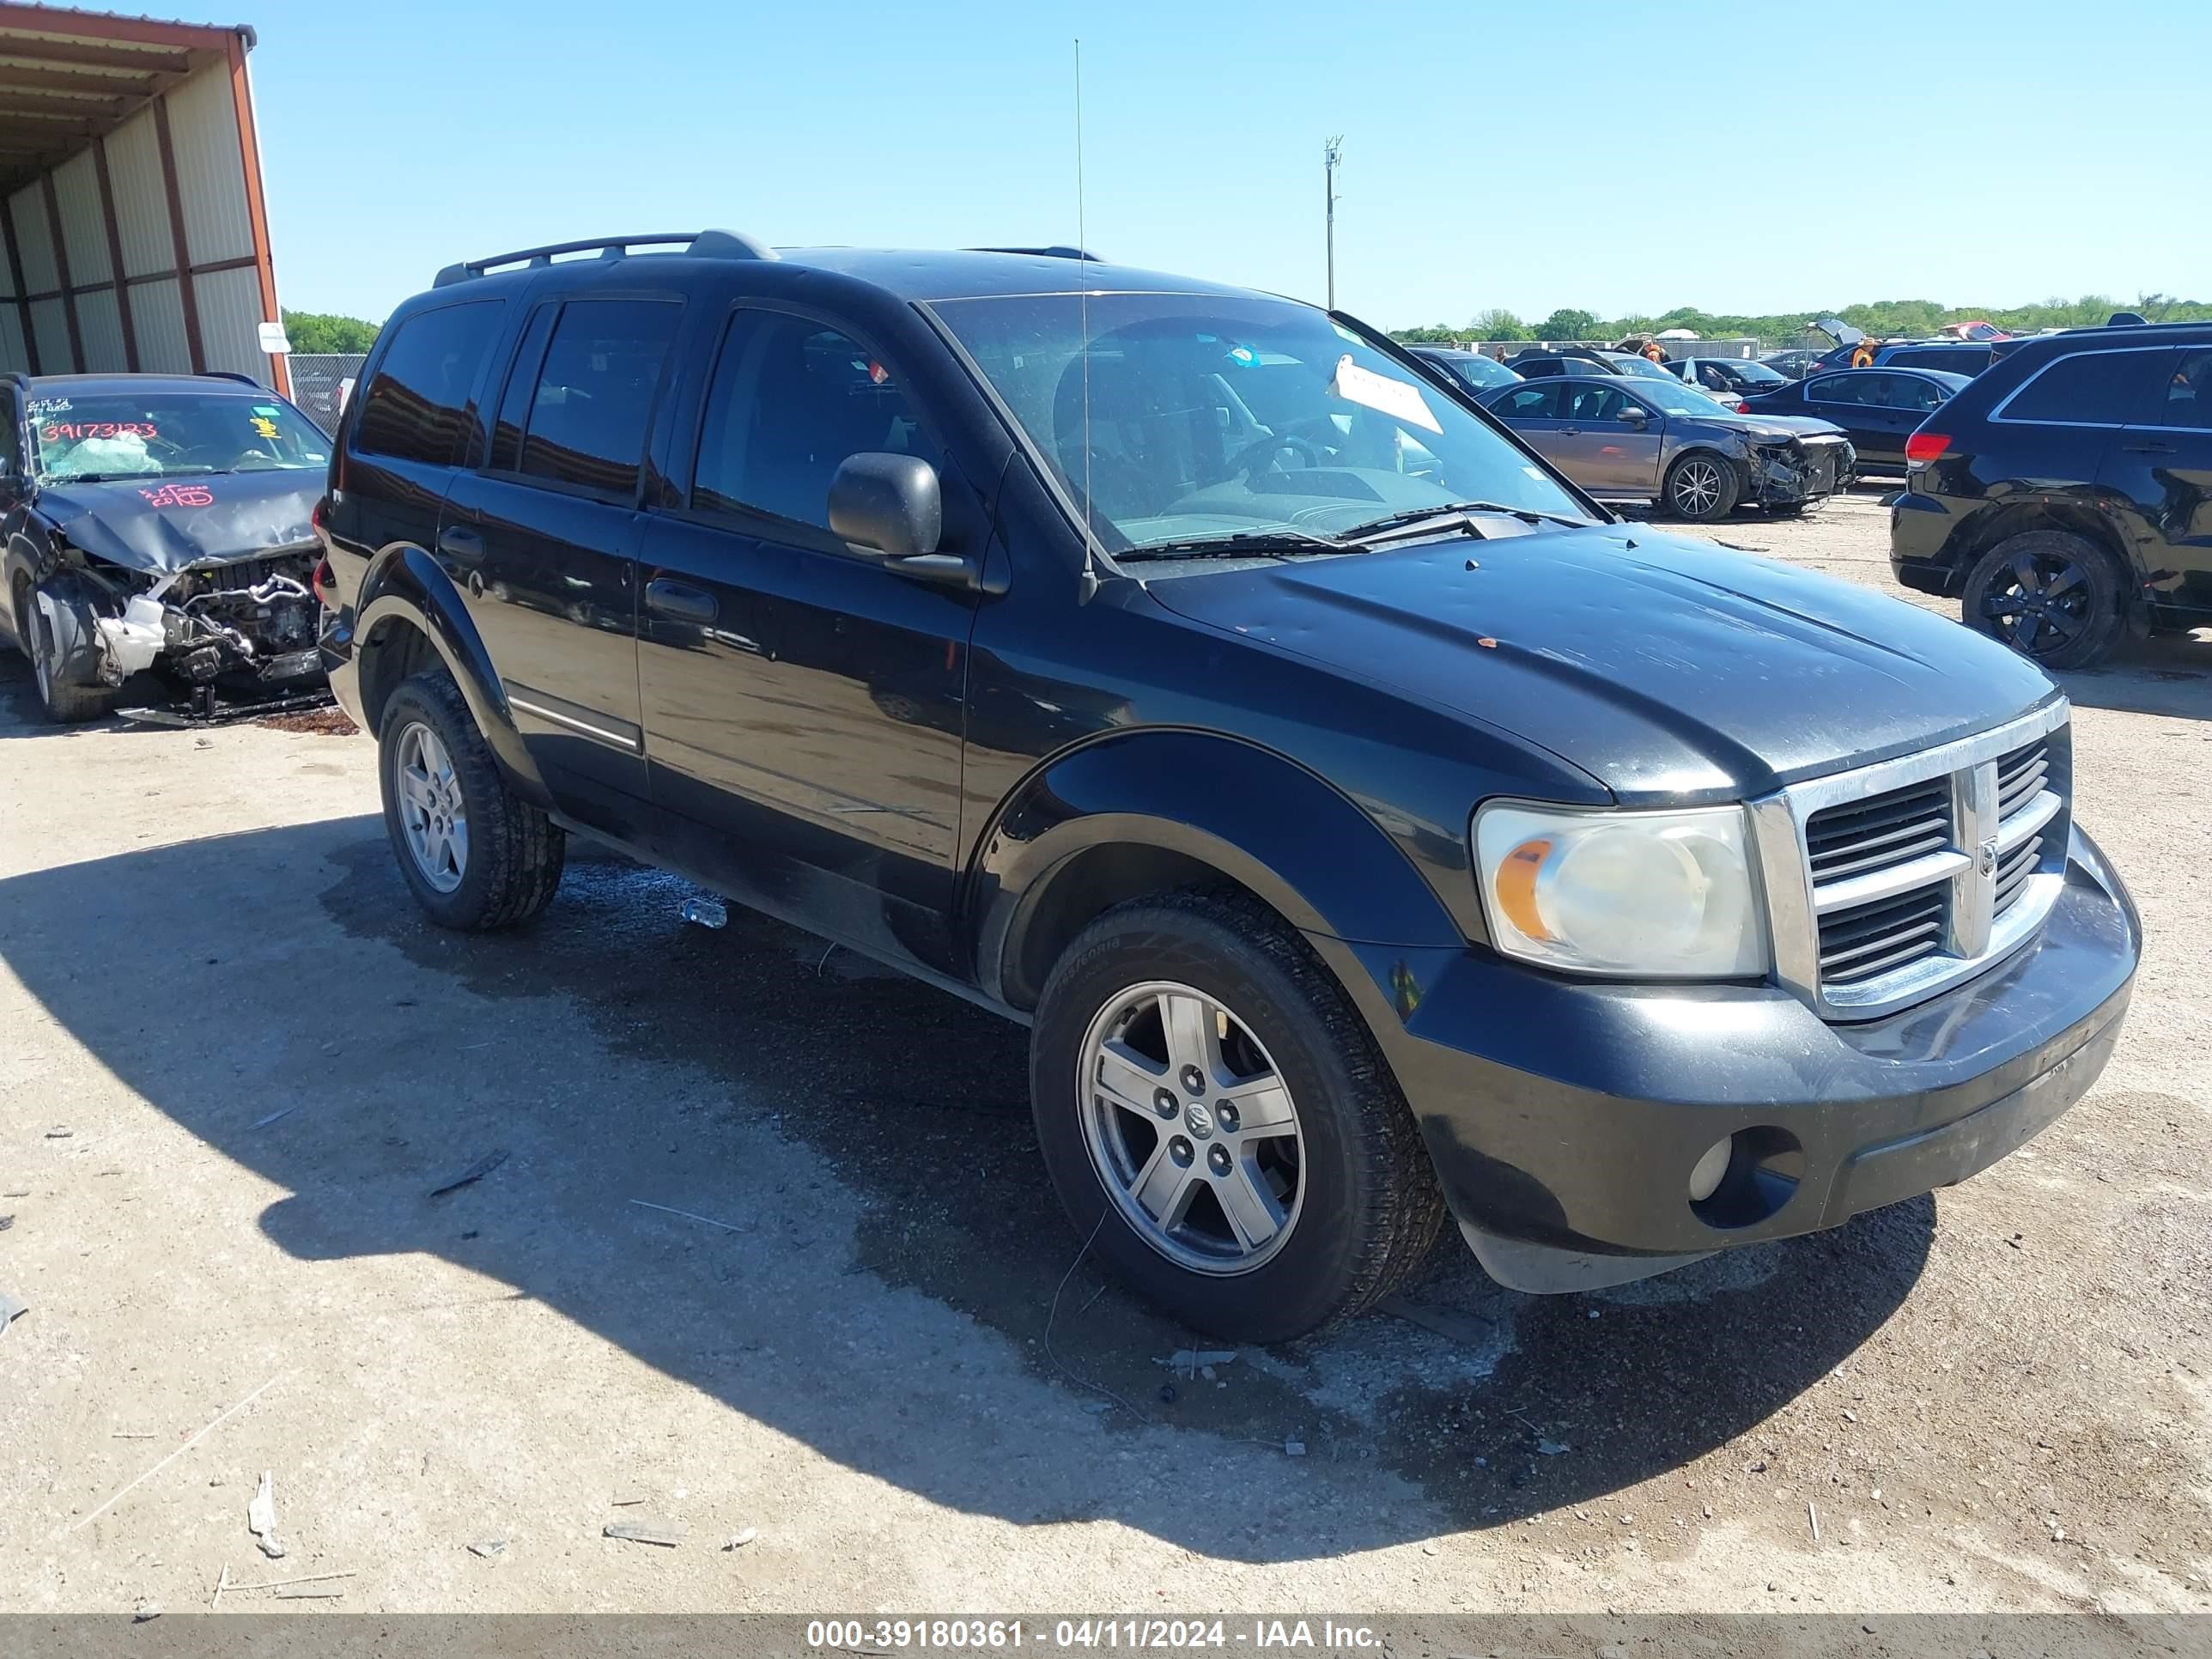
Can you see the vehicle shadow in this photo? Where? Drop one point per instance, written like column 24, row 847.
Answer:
column 2166, row 674
column 862, row 1140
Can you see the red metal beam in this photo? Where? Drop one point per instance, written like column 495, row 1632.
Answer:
column 60, row 239
column 187, row 297
column 257, row 208
column 115, row 272
column 16, row 270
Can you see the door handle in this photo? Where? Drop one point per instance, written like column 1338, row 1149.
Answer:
column 462, row 545
column 2148, row 446
column 679, row 601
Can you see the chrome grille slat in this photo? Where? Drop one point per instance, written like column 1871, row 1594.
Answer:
column 1884, row 833
column 2013, row 874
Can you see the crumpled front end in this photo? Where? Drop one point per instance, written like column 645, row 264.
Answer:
column 1800, row 472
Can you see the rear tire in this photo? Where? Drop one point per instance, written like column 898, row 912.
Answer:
column 1348, row 1187
column 65, row 704
column 1702, row 487
column 2055, row 597
column 477, row 856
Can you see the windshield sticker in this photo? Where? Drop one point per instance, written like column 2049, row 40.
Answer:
column 1243, row 356
column 1537, row 473
column 180, row 496
column 49, row 406
column 264, row 426
column 55, row 432
column 1395, row 398
column 270, row 410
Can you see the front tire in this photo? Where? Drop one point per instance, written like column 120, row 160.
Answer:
column 2054, row 597
column 477, row 856
column 65, row 704
column 1219, row 1125
column 1701, row 486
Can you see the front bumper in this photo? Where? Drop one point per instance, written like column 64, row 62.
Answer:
column 1564, row 1117
column 1919, row 535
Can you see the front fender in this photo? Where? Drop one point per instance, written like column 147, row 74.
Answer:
column 1246, row 812
column 406, row 588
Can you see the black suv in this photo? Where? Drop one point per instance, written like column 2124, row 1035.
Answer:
column 2067, row 493
column 1369, row 827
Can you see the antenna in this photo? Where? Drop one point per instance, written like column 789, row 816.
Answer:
column 1089, row 584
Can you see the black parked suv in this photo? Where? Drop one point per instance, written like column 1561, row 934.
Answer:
column 1369, row 827
column 2066, row 492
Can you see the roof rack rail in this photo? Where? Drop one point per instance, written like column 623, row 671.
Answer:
column 1057, row 251
column 705, row 244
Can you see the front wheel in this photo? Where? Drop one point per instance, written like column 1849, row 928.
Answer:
column 1219, row 1123
column 1702, row 488
column 477, row 856
column 2049, row 594
column 65, row 703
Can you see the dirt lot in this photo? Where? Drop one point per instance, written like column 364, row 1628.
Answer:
column 236, row 1062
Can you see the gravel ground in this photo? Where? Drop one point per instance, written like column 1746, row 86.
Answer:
column 237, row 1065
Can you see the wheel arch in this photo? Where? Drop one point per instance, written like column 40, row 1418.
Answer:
column 410, row 617
column 1984, row 530
column 1117, row 819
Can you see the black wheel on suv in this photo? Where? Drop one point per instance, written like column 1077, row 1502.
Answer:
column 478, row 856
column 66, row 704
column 1219, row 1123
column 2050, row 595
column 1701, row 486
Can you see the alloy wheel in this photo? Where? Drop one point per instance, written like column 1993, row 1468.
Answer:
column 2039, row 602
column 432, row 816
column 1697, row 487
column 1191, row 1127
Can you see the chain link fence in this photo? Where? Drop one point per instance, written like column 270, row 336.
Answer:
column 317, row 378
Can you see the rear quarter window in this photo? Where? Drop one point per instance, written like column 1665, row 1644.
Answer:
column 420, row 405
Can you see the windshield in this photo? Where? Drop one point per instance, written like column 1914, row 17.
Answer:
column 1752, row 373
column 1480, row 373
column 1209, row 417
column 1630, row 362
column 165, row 434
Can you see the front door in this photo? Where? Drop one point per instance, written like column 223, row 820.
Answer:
column 803, row 705
column 545, row 543
column 1604, row 450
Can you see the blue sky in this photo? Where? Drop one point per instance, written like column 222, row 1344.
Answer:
column 1707, row 152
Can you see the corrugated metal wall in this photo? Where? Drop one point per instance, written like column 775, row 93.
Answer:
column 218, row 232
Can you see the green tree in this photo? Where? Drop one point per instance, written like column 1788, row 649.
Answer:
column 1568, row 324
column 1498, row 323
column 316, row 331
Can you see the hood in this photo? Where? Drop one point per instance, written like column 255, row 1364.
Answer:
column 160, row 526
column 1768, row 429
column 1662, row 667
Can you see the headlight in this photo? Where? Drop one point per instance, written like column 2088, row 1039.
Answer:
column 1642, row 894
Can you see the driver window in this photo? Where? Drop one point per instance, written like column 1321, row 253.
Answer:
column 1593, row 403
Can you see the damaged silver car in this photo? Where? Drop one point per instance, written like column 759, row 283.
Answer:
column 159, row 555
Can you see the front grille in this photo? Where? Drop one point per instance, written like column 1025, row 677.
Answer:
column 1889, row 829
column 1921, row 871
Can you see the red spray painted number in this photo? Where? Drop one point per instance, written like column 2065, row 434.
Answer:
column 180, row 496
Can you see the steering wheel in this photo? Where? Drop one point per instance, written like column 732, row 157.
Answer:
column 1248, row 460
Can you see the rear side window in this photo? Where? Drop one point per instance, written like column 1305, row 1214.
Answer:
column 791, row 402
column 2188, row 392
column 1531, row 403
column 593, row 402
column 2090, row 388
column 419, row 407
column 1839, row 389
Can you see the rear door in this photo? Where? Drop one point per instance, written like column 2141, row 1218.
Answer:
column 544, row 539
column 1849, row 399
column 2160, row 467
column 1604, row 449
column 1533, row 411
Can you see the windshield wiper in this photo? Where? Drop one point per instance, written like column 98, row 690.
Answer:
column 1241, row 543
column 1454, row 514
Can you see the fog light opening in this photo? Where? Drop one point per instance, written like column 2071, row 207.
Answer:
column 1747, row 1178
column 1705, row 1177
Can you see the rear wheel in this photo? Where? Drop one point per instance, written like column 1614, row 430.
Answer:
column 2050, row 595
column 476, row 854
column 1701, row 486
column 65, row 703
column 1218, row 1123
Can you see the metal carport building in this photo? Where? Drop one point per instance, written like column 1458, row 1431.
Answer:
column 130, row 199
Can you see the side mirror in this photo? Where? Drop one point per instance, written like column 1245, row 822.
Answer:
column 889, row 504
column 1635, row 417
